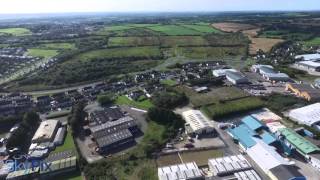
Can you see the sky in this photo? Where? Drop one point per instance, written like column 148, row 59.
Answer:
column 61, row 6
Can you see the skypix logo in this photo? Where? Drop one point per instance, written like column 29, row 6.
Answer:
column 24, row 163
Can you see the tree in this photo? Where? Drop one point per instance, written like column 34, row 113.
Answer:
column 78, row 115
column 105, row 99
column 169, row 99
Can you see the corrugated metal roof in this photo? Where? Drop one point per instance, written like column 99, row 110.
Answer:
column 244, row 135
column 252, row 122
column 304, row 146
column 267, row 137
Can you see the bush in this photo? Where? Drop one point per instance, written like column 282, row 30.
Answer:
column 169, row 99
column 105, row 99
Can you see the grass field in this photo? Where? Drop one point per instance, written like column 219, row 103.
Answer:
column 172, row 41
column 213, row 96
column 42, row 53
column 108, row 29
column 313, row 42
column 133, row 41
column 202, row 28
column 232, row 27
column 124, row 100
column 226, row 108
column 67, row 145
column 57, row 46
column 16, row 31
column 211, row 52
column 169, row 82
column 130, row 52
column 174, row 30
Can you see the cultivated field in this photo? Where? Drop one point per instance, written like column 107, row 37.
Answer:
column 133, row 41
column 313, row 42
column 174, row 30
column 42, row 53
column 211, row 52
column 57, row 46
column 232, row 27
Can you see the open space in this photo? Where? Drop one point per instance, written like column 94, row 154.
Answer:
column 16, row 31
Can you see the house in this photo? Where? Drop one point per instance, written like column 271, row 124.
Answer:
column 308, row 115
column 304, row 91
column 197, row 123
column 186, row 171
column 46, row 131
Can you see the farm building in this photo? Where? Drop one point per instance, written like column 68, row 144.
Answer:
column 268, row 73
column 268, row 159
column 308, row 57
column 236, row 77
column 197, row 123
column 222, row 72
column 308, row 115
column 232, row 167
column 46, row 131
column 187, row 171
column 304, row 91
column 302, row 146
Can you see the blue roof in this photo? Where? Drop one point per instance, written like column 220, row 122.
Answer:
column 244, row 135
column 252, row 123
column 267, row 137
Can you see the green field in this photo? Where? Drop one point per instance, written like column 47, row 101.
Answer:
column 313, row 42
column 124, row 100
column 202, row 28
column 172, row 41
column 225, row 108
column 122, row 53
column 16, row 31
column 133, row 41
column 67, row 145
column 57, row 46
column 174, row 30
column 45, row 53
column 169, row 82
column 211, row 52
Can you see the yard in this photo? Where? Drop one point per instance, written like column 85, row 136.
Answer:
column 67, row 145
column 124, row 100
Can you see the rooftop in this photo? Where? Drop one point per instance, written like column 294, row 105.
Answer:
column 252, row 123
column 308, row 115
column 179, row 171
column 286, row 172
column 46, row 130
column 113, row 138
column 197, row 120
column 244, row 135
column 304, row 146
column 308, row 57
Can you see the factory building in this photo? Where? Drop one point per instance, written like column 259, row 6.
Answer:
column 304, row 91
column 268, row 73
column 187, row 171
column 308, row 57
column 46, row 131
column 308, row 115
column 309, row 62
column 236, row 78
column 197, row 123
column 222, row 72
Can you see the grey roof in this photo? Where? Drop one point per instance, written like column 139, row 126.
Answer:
column 286, row 172
column 60, row 135
column 108, row 114
column 61, row 164
column 112, row 126
column 114, row 138
column 235, row 75
column 268, row 70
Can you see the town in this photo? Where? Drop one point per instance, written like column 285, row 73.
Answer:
column 75, row 99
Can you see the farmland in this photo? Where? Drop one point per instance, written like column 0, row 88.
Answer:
column 16, row 31
column 42, row 53
column 133, row 41
column 174, row 30
column 232, row 27
column 57, row 46
column 211, row 52
column 313, row 42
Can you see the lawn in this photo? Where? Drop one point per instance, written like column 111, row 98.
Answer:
column 174, row 30
column 67, row 145
column 124, row 100
column 213, row 96
column 202, row 28
column 42, row 53
column 122, row 53
column 313, row 42
column 133, row 41
column 226, row 108
column 57, row 46
column 16, row 31
column 169, row 82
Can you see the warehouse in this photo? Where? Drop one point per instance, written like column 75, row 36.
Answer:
column 304, row 91
column 268, row 73
column 187, row 171
column 59, row 138
column 286, row 172
column 197, row 123
column 60, row 166
column 308, row 57
column 310, row 65
column 222, row 72
column 236, row 78
column 46, row 131
column 112, row 141
column 107, row 114
column 308, row 115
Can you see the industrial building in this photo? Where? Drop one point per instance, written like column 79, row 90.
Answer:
column 46, row 131
column 304, row 91
column 59, row 138
column 222, row 72
column 197, row 123
column 236, row 78
column 308, row 115
column 187, row 171
column 308, row 57
column 230, row 167
column 268, row 73
column 309, row 65
column 105, row 115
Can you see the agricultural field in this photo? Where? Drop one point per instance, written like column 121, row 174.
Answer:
column 202, row 28
column 313, row 42
column 232, row 107
column 173, row 41
column 57, row 46
column 174, row 30
column 16, row 31
column 133, row 41
column 233, row 27
column 211, row 52
column 213, row 96
column 42, row 53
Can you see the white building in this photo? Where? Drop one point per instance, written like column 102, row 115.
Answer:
column 308, row 115
column 268, row 73
column 46, row 131
column 187, row 171
column 309, row 65
column 236, row 77
column 222, row 72
column 197, row 123
column 308, row 57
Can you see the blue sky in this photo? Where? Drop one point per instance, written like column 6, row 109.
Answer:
column 56, row 6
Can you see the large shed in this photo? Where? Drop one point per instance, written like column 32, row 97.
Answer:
column 197, row 123
column 46, row 131
column 187, row 171
column 308, row 115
